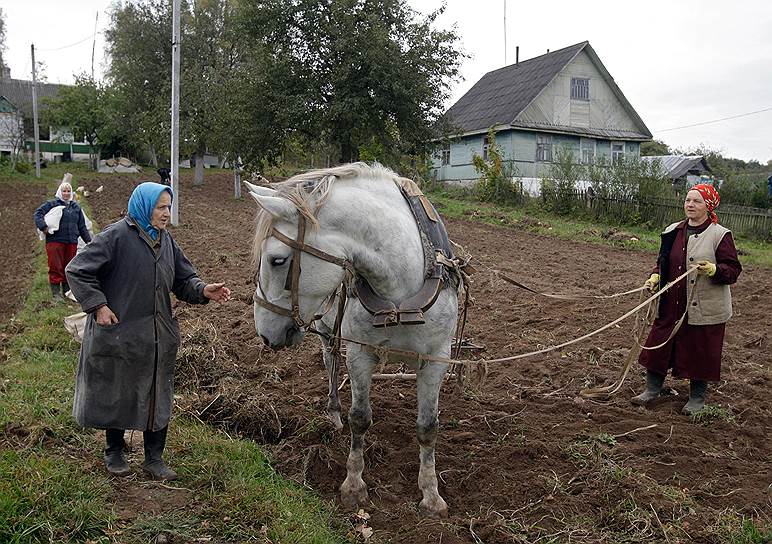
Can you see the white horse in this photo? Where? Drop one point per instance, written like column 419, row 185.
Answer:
column 359, row 216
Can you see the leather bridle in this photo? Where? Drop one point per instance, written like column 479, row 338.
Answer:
column 293, row 277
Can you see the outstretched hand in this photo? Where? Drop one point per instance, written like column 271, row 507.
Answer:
column 217, row 292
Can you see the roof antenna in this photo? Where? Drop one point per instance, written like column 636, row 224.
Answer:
column 505, row 32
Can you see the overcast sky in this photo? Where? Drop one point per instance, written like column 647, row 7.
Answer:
column 678, row 62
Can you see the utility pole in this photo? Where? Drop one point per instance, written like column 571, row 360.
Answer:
column 35, row 113
column 175, row 151
column 93, row 45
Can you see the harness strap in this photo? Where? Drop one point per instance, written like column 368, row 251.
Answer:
column 298, row 245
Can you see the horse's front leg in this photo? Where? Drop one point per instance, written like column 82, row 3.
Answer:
column 429, row 381
column 332, row 365
column 353, row 491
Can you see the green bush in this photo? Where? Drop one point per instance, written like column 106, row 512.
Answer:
column 558, row 189
column 499, row 180
column 23, row 167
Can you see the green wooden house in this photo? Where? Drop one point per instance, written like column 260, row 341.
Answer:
column 565, row 98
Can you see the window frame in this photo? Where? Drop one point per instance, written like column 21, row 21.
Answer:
column 580, row 91
column 486, row 148
column 445, row 155
column 617, row 156
column 583, row 147
column 544, row 145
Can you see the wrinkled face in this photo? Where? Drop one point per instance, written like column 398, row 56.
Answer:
column 162, row 212
column 318, row 279
column 66, row 193
column 695, row 208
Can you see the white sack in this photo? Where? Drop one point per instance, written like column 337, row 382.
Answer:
column 76, row 324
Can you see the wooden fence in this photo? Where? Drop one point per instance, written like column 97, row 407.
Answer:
column 744, row 221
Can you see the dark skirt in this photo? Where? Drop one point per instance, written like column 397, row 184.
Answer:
column 694, row 353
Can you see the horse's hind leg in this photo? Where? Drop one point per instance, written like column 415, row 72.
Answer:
column 332, row 366
column 429, row 381
column 353, row 491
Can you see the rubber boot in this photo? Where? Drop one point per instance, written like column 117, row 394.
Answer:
column 155, row 441
column 698, row 394
column 653, row 389
column 114, row 460
column 65, row 288
column 56, row 292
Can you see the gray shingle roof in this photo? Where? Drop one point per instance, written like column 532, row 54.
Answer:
column 19, row 93
column 502, row 94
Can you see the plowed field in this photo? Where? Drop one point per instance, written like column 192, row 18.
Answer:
column 521, row 456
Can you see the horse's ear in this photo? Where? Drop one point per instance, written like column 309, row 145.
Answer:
column 257, row 190
column 278, row 207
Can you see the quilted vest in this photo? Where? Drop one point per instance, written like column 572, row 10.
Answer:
column 712, row 302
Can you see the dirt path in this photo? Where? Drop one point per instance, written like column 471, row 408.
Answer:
column 522, row 456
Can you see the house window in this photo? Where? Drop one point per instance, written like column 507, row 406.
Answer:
column 445, row 155
column 543, row 148
column 580, row 88
column 587, row 150
column 617, row 152
column 486, row 145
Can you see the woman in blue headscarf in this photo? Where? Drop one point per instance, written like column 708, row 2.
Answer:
column 123, row 279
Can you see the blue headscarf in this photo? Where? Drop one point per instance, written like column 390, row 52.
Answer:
column 143, row 201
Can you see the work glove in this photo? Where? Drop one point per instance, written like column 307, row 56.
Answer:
column 706, row 268
column 652, row 284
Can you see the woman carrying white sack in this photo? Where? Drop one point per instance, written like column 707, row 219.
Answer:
column 62, row 235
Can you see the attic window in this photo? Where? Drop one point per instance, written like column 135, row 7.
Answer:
column 580, row 88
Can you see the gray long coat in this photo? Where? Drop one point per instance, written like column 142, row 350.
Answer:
column 125, row 376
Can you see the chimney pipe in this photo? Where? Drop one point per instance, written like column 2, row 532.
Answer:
column 517, row 55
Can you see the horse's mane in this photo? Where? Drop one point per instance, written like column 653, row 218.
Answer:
column 308, row 191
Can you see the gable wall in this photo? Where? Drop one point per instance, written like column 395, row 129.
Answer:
column 555, row 107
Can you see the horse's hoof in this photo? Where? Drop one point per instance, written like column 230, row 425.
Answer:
column 334, row 417
column 435, row 509
column 354, row 496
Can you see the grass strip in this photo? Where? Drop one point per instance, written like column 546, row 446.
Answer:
column 53, row 487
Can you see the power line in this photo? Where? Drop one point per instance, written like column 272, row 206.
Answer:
column 71, row 45
column 716, row 120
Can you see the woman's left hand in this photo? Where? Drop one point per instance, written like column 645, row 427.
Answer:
column 217, row 292
column 706, row 268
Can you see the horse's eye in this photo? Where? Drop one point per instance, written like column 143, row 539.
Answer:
column 278, row 261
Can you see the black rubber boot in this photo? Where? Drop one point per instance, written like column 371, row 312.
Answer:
column 653, row 389
column 155, row 441
column 65, row 288
column 56, row 292
column 114, row 460
column 698, row 394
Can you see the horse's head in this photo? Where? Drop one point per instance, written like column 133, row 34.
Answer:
column 276, row 322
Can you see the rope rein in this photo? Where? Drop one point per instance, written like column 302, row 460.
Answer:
column 383, row 351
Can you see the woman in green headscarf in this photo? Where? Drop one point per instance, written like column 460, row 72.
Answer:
column 123, row 280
